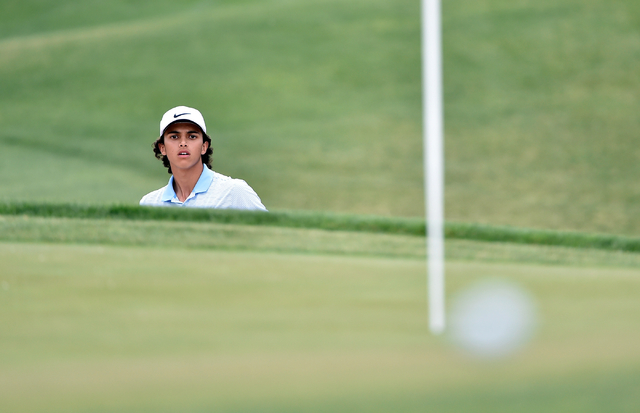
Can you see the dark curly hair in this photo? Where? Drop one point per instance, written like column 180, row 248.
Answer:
column 206, row 158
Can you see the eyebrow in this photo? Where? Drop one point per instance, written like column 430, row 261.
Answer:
column 175, row 131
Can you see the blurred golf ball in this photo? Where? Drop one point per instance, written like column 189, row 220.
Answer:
column 492, row 319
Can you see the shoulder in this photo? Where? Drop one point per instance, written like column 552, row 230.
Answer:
column 235, row 193
column 153, row 198
column 229, row 182
column 231, row 185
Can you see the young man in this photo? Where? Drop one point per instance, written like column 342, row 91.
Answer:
column 185, row 149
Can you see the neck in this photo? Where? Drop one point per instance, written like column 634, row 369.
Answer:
column 184, row 180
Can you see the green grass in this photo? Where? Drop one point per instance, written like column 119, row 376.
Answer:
column 540, row 114
column 317, row 104
column 168, row 312
column 307, row 219
column 107, row 327
column 107, row 306
column 126, row 314
column 283, row 239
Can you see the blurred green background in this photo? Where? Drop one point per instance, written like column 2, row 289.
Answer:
column 317, row 104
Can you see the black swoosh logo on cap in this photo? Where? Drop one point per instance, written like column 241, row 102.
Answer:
column 177, row 116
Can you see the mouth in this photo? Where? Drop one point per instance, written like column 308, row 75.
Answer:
column 183, row 153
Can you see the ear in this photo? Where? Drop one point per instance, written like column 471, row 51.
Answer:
column 205, row 146
column 163, row 150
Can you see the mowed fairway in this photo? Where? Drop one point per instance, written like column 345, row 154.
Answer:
column 112, row 328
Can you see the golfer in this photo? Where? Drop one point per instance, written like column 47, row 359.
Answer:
column 185, row 150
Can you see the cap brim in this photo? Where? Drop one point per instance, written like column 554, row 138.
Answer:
column 183, row 121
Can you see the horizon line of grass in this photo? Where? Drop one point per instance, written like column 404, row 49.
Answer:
column 327, row 221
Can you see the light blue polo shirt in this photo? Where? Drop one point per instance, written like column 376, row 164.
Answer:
column 213, row 190
column 203, row 184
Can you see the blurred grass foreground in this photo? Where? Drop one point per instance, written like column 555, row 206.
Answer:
column 319, row 305
column 197, row 316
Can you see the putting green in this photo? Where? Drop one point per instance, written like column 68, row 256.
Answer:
column 105, row 328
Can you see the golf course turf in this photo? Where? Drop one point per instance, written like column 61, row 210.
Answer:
column 320, row 304
column 177, row 327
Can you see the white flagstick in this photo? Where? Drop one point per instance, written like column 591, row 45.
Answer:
column 433, row 158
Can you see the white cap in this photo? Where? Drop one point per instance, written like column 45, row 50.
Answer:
column 182, row 114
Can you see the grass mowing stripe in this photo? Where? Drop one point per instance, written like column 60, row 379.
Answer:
column 328, row 221
column 209, row 236
column 213, row 236
column 541, row 237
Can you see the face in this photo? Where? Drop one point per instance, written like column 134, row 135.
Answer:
column 183, row 145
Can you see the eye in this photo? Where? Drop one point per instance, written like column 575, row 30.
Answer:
column 173, row 136
column 194, row 136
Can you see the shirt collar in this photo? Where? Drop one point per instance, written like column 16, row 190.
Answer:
column 203, row 184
